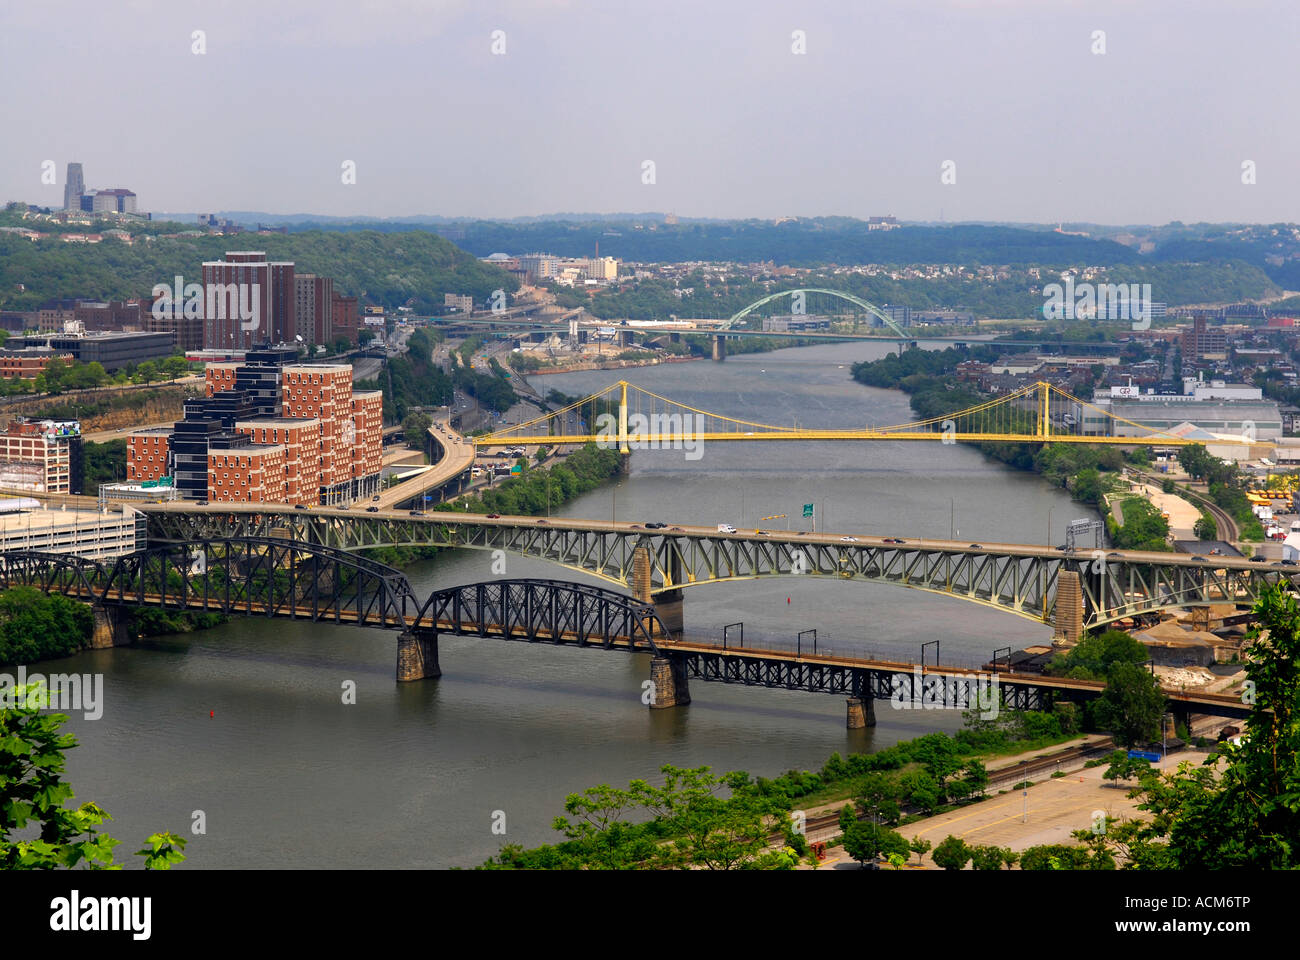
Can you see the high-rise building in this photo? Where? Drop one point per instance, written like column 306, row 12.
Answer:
column 247, row 300
column 116, row 200
column 74, row 188
column 343, row 317
column 313, row 308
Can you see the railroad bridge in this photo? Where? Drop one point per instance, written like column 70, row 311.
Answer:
column 273, row 577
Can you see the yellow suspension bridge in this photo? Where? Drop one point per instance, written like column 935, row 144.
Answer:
column 634, row 418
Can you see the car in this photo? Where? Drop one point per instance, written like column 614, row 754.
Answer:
column 634, row 526
column 494, row 516
column 375, row 497
column 677, row 530
column 976, row 546
column 848, row 539
column 1114, row 556
column 1288, row 563
column 802, row 533
column 655, row 525
column 1256, row 559
column 1063, row 548
column 894, row 540
column 300, row 506
column 372, row 509
column 543, row 521
column 203, row 503
column 1198, row 559
column 726, row 528
column 417, row 513
column 761, row 533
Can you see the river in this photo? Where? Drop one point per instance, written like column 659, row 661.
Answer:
column 246, row 722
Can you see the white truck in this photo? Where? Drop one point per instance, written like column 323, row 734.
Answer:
column 726, row 528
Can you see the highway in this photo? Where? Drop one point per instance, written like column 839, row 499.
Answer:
column 459, row 458
column 388, row 510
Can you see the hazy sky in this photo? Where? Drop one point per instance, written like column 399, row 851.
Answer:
column 1038, row 126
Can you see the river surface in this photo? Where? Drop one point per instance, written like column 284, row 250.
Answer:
column 246, row 722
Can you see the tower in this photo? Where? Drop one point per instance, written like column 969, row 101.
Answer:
column 74, row 188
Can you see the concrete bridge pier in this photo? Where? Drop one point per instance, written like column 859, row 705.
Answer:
column 668, row 604
column 110, row 627
column 861, row 712
column 719, row 349
column 417, row 655
column 1068, row 608
column 669, row 684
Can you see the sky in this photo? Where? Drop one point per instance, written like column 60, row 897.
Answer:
column 1117, row 112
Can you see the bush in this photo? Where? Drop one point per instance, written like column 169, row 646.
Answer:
column 952, row 853
column 39, row 626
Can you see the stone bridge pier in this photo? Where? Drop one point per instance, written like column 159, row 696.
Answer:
column 670, row 687
column 111, row 627
column 417, row 655
column 668, row 604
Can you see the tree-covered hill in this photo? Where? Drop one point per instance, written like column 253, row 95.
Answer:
column 390, row 270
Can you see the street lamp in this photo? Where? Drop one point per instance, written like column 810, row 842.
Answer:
column 1024, row 786
column 1049, row 526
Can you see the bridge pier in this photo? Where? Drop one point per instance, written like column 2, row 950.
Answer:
column 719, row 349
column 861, row 712
column 668, row 604
column 110, row 627
column 417, row 655
column 670, row 687
column 1068, row 607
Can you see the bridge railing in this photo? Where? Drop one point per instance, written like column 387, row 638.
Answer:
column 830, row 646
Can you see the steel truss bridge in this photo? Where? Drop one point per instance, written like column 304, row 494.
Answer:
column 268, row 577
column 1072, row 590
column 625, row 417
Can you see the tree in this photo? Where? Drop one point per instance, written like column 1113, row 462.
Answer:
column 1131, row 705
column 175, row 366
column 32, row 791
column 1206, row 528
column 878, row 797
column 1239, row 809
column 865, row 841
column 986, row 858
column 1122, row 766
column 952, row 853
column 148, row 372
column 920, row 847
column 415, row 428
column 977, row 777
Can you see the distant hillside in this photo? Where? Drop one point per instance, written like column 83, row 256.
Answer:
column 391, row 270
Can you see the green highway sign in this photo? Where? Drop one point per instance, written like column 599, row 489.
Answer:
column 807, row 509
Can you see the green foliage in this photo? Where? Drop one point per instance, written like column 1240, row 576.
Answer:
column 1144, row 527
column 411, row 379
column 33, row 793
column 1206, row 528
column 1059, row 856
column 865, row 841
column 1241, row 808
column 919, row 846
column 413, row 269
column 39, row 626
column 1131, row 705
column 105, row 463
column 952, row 853
column 1124, row 767
column 1091, row 658
column 415, row 427
column 691, row 826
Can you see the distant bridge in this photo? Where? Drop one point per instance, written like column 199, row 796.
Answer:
column 626, row 417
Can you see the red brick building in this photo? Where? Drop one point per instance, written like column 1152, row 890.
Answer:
column 253, row 474
column 344, row 319
column 28, row 364
column 147, row 455
column 368, row 421
column 325, row 392
column 301, row 439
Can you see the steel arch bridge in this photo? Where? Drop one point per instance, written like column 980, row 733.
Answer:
column 870, row 308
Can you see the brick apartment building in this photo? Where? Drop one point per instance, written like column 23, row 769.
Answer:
column 148, row 455
column 330, row 440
